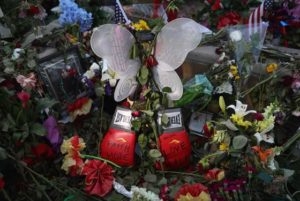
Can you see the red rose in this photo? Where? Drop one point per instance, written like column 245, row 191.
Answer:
column 33, row 10
column 24, row 98
column 125, row 104
column 2, row 183
column 230, row 18
column 258, row 116
column 151, row 61
column 217, row 5
column 215, row 175
column 99, row 177
column 42, row 150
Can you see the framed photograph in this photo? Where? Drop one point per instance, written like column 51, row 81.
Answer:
column 61, row 73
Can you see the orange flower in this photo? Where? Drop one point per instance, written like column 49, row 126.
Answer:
column 263, row 154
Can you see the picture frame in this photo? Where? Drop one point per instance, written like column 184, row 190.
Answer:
column 61, row 74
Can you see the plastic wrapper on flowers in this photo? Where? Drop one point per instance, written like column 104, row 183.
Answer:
column 196, row 91
column 247, row 42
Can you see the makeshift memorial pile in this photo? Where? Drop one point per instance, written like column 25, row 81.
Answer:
column 94, row 107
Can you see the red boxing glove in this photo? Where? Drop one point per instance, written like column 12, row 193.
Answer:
column 118, row 144
column 174, row 141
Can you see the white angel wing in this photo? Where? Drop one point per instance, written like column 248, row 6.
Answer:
column 112, row 43
column 168, row 79
column 175, row 40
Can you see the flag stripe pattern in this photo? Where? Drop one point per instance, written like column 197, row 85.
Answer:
column 255, row 19
column 120, row 15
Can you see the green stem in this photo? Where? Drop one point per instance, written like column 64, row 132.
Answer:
column 6, row 196
column 99, row 158
column 37, row 174
column 39, row 186
column 291, row 141
column 101, row 114
column 182, row 173
column 244, row 93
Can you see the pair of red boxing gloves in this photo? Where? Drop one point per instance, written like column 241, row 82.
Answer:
column 118, row 145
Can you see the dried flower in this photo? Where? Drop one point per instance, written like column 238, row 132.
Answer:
column 28, row 81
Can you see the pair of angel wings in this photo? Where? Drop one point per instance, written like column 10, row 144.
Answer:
column 176, row 39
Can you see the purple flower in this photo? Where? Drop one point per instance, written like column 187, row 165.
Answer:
column 108, row 89
column 53, row 133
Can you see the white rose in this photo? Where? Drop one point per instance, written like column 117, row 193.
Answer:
column 89, row 74
column 235, row 36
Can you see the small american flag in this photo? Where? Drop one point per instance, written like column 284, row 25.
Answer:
column 120, row 15
column 255, row 19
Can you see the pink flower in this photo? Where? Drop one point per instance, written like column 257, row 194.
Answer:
column 24, row 98
column 28, row 81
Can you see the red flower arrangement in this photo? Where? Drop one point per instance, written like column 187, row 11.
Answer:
column 2, row 183
column 99, row 177
column 230, row 18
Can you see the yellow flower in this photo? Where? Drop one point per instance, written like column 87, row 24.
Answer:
column 271, row 67
column 141, row 25
column 237, row 77
column 68, row 162
column 219, row 136
column 239, row 120
column 233, row 70
column 222, row 104
column 223, row 147
column 188, row 197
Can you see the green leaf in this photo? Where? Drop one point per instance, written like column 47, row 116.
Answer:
column 162, row 181
column 144, row 72
column 146, row 92
column 31, row 64
column 164, row 120
column 154, row 153
column 167, row 90
column 136, row 124
column 148, row 112
column 38, row 129
column 239, row 142
column 45, row 103
column 151, row 178
column 142, row 140
column 3, row 154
